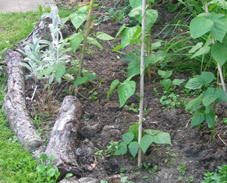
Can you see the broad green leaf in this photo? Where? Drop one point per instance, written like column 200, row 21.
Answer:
column 166, row 83
column 41, row 168
column 134, row 67
column 133, row 148
column 165, row 74
column 79, row 81
column 127, row 36
column 51, row 172
column 207, row 77
column 134, row 129
column 156, row 45
column 202, row 51
column 68, row 175
column 193, row 104
column 194, row 83
column 59, row 71
column 209, row 91
column 219, row 53
column 209, row 99
column 219, row 27
column 52, row 157
column 135, row 3
column 76, row 40
column 197, row 119
column 104, row 36
column 112, row 87
column 127, row 137
column 178, row 82
column 120, row 30
column 126, row 90
column 94, row 42
column 159, row 137
column 78, row 19
column 44, row 158
column 221, row 95
column 151, row 18
column 196, row 47
column 122, row 149
column 151, row 59
column 200, row 26
column 145, row 142
column 210, row 119
column 136, row 13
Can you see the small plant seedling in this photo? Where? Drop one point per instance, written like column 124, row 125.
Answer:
column 181, row 169
column 131, row 108
column 225, row 121
column 93, row 96
column 111, row 149
column 190, row 179
column 99, row 154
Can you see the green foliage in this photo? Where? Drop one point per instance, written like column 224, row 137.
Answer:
column 46, row 59
column 129, row 140
column 219, row 176
column 203, row 107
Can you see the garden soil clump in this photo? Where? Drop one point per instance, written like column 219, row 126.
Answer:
column 104, row 121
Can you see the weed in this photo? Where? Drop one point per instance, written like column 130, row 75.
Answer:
column 131, row 108
column 190, row 179
column 181, row 169
column 219, row 176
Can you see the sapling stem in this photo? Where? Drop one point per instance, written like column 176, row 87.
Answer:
column 219, row 66
column 149, row 47
column 87, row 30
column 141, row 82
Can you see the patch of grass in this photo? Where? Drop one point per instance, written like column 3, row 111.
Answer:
column 16, row 26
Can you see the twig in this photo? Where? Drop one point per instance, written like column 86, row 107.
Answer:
column 33, row 94
column 222, row 140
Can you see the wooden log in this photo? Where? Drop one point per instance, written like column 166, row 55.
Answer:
column 15, row 106
column 62, row 140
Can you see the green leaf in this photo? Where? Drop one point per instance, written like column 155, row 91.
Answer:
column 193, row 104
column 219, row 53
column 135, row 3
column 165, row 74
column 68, row 175
column 133, row 148
column 40, row 168
column 209, row 99
column 197, row 119
column 202, row 51
column 134, row 67
column 126, row 90
column 59, row 71
column 94, row 42
column 219, row 27
column 151, row 18
column 194, row 83
column 166, row 83
column 145, row 142
column 44, row 158
column 78, row 19
column 156, row 45
column 76, row 40
column 128, row 137
column 120, row 30
column 159, row 137
column 118, row 47
column 178, row 82
column 207, row 77
column 134, row 129
column 196, row 47
column 127, row 36
column 104, row 36
column 200, row 26
column 122, row 148
column 51, row 172
column 210, row 119
column 52, row 157
column 112, row 87
column 221, row 95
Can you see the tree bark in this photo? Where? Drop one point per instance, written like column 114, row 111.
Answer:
column 15, row 106
column 62, row 140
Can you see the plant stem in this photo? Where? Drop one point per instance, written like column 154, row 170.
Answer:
column 141, row 82
column 149, row 46
column 87, row 30
column 219, row 66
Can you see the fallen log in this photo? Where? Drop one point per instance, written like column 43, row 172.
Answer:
column 62, row 140
column 15, row 105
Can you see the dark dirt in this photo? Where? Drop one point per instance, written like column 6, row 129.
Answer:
column 105, row 121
